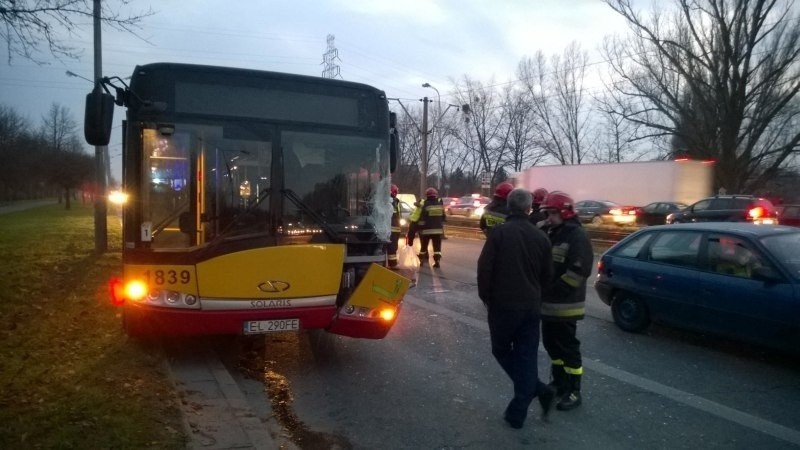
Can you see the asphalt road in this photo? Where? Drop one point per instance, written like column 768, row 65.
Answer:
column 432, row 383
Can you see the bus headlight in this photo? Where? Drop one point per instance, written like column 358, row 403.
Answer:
column 387, row 314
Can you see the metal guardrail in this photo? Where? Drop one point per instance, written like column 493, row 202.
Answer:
column 469, row 228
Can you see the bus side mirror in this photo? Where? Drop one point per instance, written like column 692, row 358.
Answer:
column 98, row 116
column 394, row 143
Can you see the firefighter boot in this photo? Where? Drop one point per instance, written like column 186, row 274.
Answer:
column 436, row 259
column 573, row 397
column 558, row 380
column 423, row 258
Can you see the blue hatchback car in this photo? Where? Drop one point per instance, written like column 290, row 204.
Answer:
column 738, row 280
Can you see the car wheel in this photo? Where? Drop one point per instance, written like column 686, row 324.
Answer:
column 597, row 220
column 630, row 312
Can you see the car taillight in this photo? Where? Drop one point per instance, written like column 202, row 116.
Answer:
column 756, row 212
column 615, row 211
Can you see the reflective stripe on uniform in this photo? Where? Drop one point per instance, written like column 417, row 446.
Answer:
column 493, row 218
column 571, row 278
column 431, row 231
column 435, row 210
column 563, row 310
column 557, row 362
column 560, row 253
column 573, row 370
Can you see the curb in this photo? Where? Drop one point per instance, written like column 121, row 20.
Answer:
column 216, row 414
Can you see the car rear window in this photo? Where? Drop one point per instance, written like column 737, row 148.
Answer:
column 786, row 249
column 632, row 247
column 680, row 248
column 791, row 211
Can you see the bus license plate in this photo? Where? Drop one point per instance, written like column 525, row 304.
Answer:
column 271, row 326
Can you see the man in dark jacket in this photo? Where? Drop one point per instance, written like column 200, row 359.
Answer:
column 563, row 303
column 513, row 265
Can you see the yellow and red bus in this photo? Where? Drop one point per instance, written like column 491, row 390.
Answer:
column 257, row 202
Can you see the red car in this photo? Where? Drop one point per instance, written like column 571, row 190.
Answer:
column 789, row 215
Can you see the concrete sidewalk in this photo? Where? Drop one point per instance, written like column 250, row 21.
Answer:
column 25, row 204
column 215, row 410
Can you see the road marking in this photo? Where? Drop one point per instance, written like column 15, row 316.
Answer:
column 717, row 409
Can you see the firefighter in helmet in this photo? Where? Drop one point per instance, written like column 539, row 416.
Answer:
column 496, row 211
column 563, row 301
column 537, row 216
column 428, row 221
column 395, row 230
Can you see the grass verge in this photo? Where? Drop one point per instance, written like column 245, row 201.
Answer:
column 69, row 377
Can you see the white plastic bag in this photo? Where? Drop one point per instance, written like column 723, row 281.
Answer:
column 408, row 262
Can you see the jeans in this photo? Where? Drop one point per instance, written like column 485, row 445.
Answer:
column 515, row 344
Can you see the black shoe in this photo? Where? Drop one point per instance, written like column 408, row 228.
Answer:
column 436, row 264
column 570, row 401
column 513, row 423
column 546, row 399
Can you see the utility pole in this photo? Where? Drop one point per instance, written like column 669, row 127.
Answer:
column 100, row 205
column 423, row 164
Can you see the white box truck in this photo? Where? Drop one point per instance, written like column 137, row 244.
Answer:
column 627, row 183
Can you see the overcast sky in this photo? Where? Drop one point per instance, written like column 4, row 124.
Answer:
column 393, row 45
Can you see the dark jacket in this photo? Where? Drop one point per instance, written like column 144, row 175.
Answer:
column 513, row 265
column 537, row 215
column 573, row 257
column 395, row 215
column 427, row 219
column 494, row 214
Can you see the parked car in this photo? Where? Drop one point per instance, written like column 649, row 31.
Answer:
column 449, row 201
column 470, row 206
column 405, row 212
column 656, row 213
column 728, row 208
column 598, row 212
column 736, row 279
column 789, row 215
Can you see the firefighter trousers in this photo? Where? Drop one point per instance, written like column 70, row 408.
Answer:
column 424, row 239
column 562, row 345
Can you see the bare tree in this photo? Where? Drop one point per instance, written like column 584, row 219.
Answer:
column 719, row 78
column 618, row 136
column 58, row 127
column 407, row 174
column 485, row 135
column 29, row 23
column 68, row 163
column 559, row 103
column 522, row 148
column 444, row 148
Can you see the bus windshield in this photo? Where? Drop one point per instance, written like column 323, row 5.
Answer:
column 333, row 175
column 206, row 181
